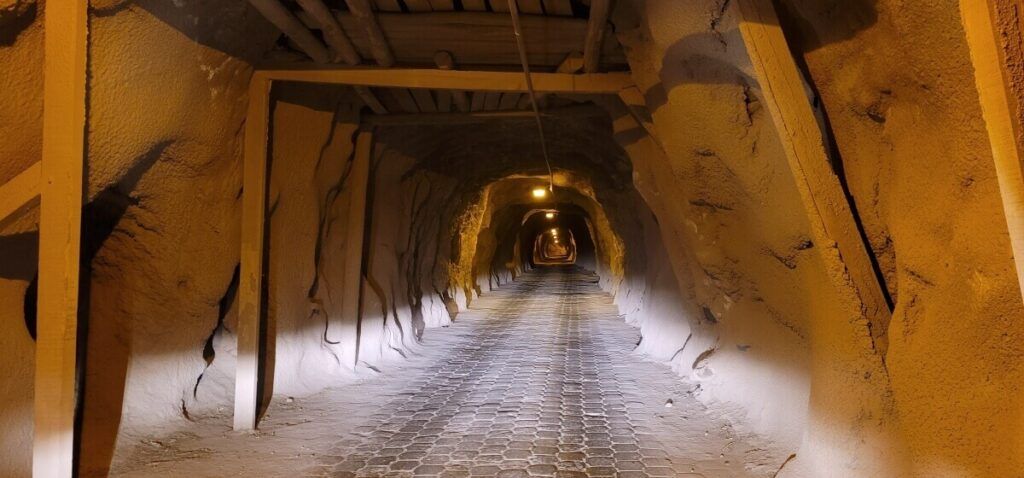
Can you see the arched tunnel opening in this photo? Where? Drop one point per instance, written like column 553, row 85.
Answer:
column 511, row 238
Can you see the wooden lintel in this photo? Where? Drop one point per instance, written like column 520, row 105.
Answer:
column 355, row 231
column 378, row 43
column 18, row 192
column 61, row 189
column 342, row 47
column 997, row 109
column 595, row 34
column 829, row 214
column 492, row 81
column 457, row 118
column 250, row 290
column 477, row 38
column 284, row 20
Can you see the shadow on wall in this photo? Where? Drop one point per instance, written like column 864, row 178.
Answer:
column 106, row 336
column 693, row 58
column 217, row 25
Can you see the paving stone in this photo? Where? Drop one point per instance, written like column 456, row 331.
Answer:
column 546, row 387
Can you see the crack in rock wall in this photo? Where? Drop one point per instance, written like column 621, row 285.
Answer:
column 896, row 81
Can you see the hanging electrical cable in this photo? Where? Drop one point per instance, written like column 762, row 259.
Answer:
column 521, row 45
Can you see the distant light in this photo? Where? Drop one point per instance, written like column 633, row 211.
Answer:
column 550, row 215
column 540, row 192
column 554, row 232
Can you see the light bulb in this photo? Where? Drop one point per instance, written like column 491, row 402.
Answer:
column 540, row 192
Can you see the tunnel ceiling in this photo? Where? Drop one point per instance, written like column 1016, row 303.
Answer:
column 579, row 140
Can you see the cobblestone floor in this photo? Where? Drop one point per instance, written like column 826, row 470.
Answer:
column 546, row 387
column 537, row 379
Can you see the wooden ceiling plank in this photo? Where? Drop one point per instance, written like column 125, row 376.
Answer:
column 509, row 101
column 418, row 5
column 370, row 99
column 476, row 38
column 387, row 5
column 405, row 100
column 378, row 44
column 474, row 5
column 284, row 20
column 442, row 5
column 595, row 34
column 342, row 48
column 492, row 99
column 558, row 7
column 424, row 100
column 477, row 104
column 444, row 100
column 499, row 6
column 530, row 7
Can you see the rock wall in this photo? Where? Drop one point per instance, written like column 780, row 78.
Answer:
column 896, row 82
column 770, row 332
column 163, row 179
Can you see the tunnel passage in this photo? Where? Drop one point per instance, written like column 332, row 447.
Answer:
column 804, row 209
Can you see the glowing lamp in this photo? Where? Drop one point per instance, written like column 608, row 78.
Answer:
column 550, row 215
column 540, row 192
column 554, row 232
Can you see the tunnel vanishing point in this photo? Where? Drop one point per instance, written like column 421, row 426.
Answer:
column 504, row 238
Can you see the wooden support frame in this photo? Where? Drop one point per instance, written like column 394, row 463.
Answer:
column 250, row 291
column 254, row 192
column 828, row 211
column 60, row 224
column 18, row 192
column 493, row 81
column 998, row 111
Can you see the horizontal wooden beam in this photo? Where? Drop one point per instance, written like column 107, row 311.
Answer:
column 455, row 118
column 19, row 191
column 498, row 81
column 479, row 38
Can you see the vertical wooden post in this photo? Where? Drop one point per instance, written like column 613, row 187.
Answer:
column 254, row 205
column 60, row 229
column 828, row 211
column 997, row 110
column 356, row 229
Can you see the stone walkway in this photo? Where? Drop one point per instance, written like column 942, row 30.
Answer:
column 538, row 379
